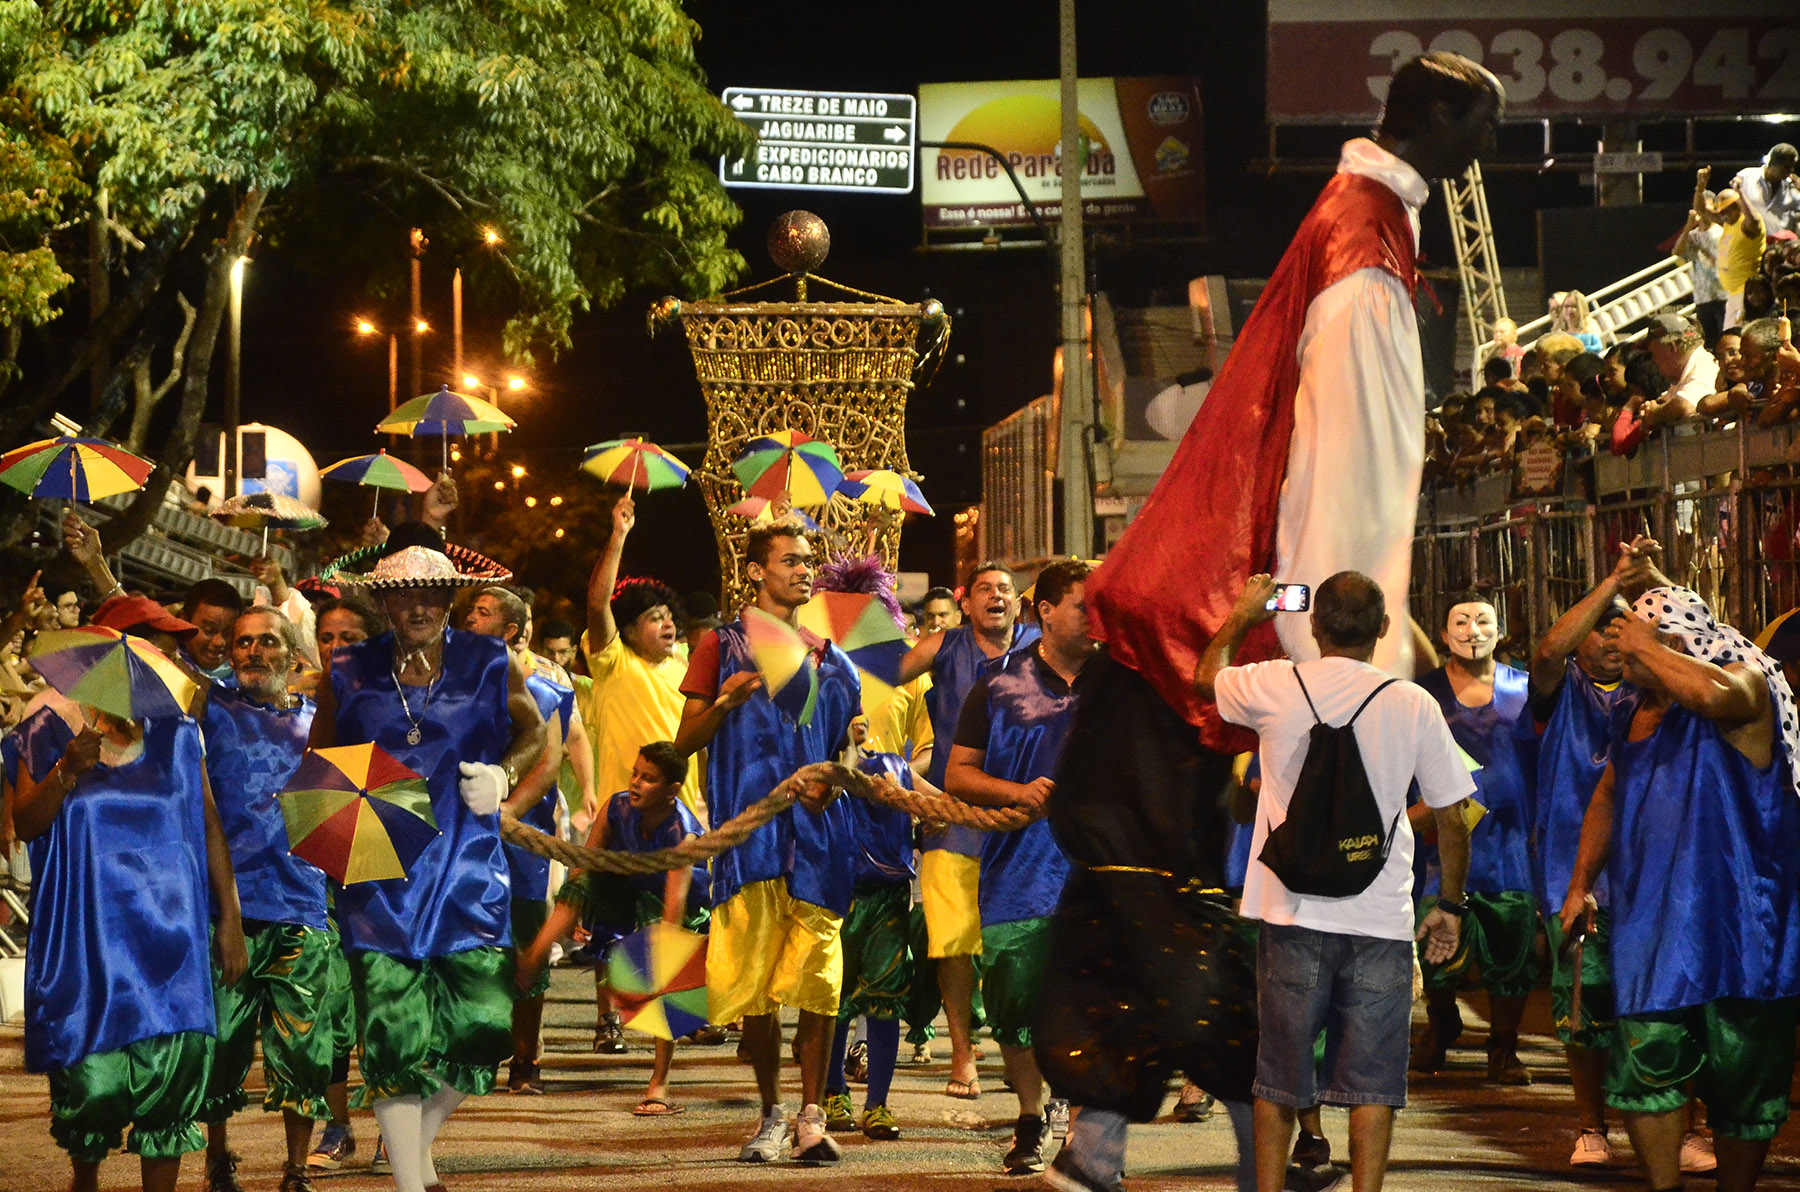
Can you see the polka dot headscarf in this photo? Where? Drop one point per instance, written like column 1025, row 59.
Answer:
column 1682, row 612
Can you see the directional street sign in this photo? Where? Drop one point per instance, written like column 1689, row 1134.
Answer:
column 824, row 140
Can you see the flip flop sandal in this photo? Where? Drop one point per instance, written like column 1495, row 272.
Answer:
column 963, row 1090
column 657, row 1107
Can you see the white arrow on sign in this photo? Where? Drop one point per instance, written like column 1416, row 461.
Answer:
column 742, row 102
column 894, row 134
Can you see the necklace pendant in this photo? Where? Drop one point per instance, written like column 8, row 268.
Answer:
column 414, row 736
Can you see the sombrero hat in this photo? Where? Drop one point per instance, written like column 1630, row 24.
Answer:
column 421, row 567
column 353, row 567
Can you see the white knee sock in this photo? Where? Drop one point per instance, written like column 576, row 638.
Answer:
column 434, row 1111
column 398, row 1118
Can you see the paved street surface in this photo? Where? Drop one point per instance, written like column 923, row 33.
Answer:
column 1460, row 1133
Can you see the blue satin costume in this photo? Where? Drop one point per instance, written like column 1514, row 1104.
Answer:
column 1022, row 872
column 1704, row 868
column 625, row 832
column 119, row 948
column 1499, row 847
column 531, row 871
column 252, row 750
column 959, row 661
column 883, row 834
column 1572, row 755
column 756, row 750
column 457, row 893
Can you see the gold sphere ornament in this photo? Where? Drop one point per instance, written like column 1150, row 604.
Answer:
column 665, row 310
column 932, row 311
column 799, row 242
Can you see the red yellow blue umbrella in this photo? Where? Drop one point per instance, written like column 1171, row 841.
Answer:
column 445, row 413
column 378, row 471
column 357, row 813
column 634, row 463
column 886, row 488
column 788, row 668
column 859, row 625
column 115, row 672
column 761, row 512
column 658, row 980
column 73, row 469
column 790, row 466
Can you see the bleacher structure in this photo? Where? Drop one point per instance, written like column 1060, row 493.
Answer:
column 178, row 549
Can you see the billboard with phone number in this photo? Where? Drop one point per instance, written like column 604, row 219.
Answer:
column 1329, row 62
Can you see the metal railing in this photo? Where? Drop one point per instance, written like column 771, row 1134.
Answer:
column 1615, row 308
column 1018, row 470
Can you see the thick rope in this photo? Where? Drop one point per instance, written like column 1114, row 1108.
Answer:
column 698, row 850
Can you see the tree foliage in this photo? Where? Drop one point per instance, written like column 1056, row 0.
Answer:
column 583, row 132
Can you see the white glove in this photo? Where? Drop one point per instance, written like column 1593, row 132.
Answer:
column 483, row 786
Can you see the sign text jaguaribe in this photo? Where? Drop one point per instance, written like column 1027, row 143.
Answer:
column 824, row 140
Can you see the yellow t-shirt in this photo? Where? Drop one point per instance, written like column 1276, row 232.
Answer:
column 634, row 702
column 1740, row 257
column 898, row 716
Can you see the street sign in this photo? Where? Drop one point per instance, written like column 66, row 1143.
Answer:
column 1628, row 163
column 824, row 140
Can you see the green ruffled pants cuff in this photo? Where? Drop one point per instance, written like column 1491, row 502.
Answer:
column 284, row 1098
column 380, row 1087
column 84, row 1146
column 219, row 1108
column 171, row 1143
column 477, row 1080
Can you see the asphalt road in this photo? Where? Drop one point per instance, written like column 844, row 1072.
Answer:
column 1459, row 1133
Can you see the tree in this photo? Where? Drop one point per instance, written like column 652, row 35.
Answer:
column 188, row 129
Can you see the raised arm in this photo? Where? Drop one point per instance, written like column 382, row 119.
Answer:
column 921, row 658
column 1731, row 695
column 1562, row 638
column 1250, row 611
column 36, row 804
column 601, row 628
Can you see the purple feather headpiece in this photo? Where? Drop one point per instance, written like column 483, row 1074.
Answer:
column 864, row 575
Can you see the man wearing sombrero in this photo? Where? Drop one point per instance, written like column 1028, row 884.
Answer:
column 427, row 960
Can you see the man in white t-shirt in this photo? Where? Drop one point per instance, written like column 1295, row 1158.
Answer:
column 1339, row 964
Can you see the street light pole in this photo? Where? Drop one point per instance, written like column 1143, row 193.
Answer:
column 456, row 323
column 418, row 318
column 233, row 374
column 1072, row 452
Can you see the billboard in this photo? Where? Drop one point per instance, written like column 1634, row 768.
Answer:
column 1141, row 140
column 1329, row 62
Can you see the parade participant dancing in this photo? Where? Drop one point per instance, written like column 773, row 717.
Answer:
column 950, row 862
column 780, row 897
column 1696, row 825
column 427, row 953
column 1483, row 702
column 118, row 977
column 256, row 734
column 1308, row 451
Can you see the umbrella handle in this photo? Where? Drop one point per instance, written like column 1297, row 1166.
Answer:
column 637, row 468
column 265, row 540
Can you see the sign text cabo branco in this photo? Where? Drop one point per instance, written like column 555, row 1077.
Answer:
column 824, row 140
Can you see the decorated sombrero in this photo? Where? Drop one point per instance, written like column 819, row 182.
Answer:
column 359, row 566
column 422, row 567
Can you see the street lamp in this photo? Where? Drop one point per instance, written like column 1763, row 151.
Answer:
column 367, row 328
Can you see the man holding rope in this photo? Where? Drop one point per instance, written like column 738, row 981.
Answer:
column 782, row 894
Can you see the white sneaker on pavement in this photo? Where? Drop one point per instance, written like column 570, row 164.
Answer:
column 1592, row 1150
column 1697, row 1155
column 770, row 1140
column 812, row 1144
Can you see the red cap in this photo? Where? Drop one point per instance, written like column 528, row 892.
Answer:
column 125, row 613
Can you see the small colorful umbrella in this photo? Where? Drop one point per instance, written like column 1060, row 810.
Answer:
column 886, row 488
column 761, row 511
column 112, row 671
column 634, row 463
column 861, row 628
column 378, row 471
column 791, row 466
column 356, row 813
column 446, row 413
column 73, row 469
column 267, row 511
column 658, row 980
column 789, row 670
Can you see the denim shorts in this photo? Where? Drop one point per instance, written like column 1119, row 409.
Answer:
column 1355, row 988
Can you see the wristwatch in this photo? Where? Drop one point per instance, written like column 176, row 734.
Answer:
column 1458, row 909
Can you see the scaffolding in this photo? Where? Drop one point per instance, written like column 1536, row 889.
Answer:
column 1477, row 262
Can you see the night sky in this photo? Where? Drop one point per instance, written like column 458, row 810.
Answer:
column 305, row 371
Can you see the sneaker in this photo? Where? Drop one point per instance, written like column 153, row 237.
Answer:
column 812, row 1145
column 337, row 1146
column 839, row 1113
column 609, row 1036
column 1593, row 1150
column 1193, row 1103
column 379, row 1164
column 221, row 1173
column 1697, row 1153
column 1066, row 1176
column 770, row 1140
column 878, row 1123
column 296, row 1177
column 1311, row 1151
column 1026, row 1157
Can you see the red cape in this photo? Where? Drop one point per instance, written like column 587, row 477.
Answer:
column 1165, row 589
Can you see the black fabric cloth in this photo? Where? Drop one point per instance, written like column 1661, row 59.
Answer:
column 1149, row 974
